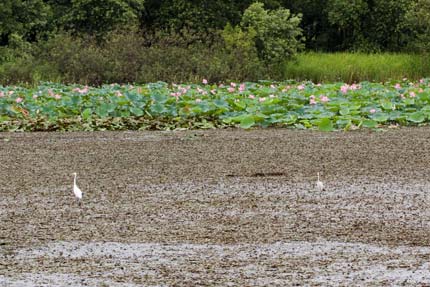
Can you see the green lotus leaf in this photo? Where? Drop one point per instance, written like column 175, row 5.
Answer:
column 247, row 122
column 417, row 117
column 325, row 125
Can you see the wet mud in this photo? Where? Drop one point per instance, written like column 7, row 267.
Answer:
column 215, row 208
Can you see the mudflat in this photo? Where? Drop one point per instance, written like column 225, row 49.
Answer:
column 215, row 208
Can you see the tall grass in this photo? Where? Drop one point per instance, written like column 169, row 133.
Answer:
column 357, row 67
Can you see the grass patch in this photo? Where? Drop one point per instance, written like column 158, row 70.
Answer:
column 357, row 67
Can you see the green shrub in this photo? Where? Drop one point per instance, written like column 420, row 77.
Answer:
column 130, row 57
column 277, row 33
column 174, row 59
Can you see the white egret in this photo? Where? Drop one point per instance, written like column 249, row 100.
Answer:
column 76, row 190
column 320, row 185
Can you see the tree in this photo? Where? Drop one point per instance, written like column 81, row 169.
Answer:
column 384, row 24
column 97, row 17
column 347, row 17
column 417, row 21
column 277, row 32
column 368, row 25
column 20, row 19
column 319, row 34
column 197, row 15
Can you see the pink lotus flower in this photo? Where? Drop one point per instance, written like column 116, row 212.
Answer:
column 397, row 86
column 412, row 94
column 300, row 87
column 18, row 100
column 312, row 101
column 421, row 81
column 205, row 82
column 201, row 91
column 232, row 84
column 1, row 94
column 319, row 85
column 324, row 99
column 372, row 111
column 183, row 90
column 221, row 86
column 35, row 96
column 242, row 87
column 231, row 89
column 251, row 96
column 261, row 100
column 421, row 91
column 354, row 87
column 118, row 94
column 344, row 88
column 57, row 96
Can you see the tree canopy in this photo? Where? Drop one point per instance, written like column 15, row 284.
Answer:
column 327, row 25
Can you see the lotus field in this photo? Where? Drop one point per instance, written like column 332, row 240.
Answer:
column 162, row 106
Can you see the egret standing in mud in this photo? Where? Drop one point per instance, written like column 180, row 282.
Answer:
column 320, row 185
column 76, row 190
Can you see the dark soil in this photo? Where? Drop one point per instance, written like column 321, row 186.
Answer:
column 222, row 207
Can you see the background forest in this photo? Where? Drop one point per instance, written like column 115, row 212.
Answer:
column 96, row 42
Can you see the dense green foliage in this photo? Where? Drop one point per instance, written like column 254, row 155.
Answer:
column 96, row 42
column 369, row 25
column 327, row 24
column 23, row 19
column 159, row 105
column 96, row 17
column 277, row 33
column 124, row 58
column 418, row 19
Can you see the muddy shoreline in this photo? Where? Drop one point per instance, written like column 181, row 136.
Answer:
column 215, row 208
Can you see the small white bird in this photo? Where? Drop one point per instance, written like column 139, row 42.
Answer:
column 320, row 185
column 76, row 190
